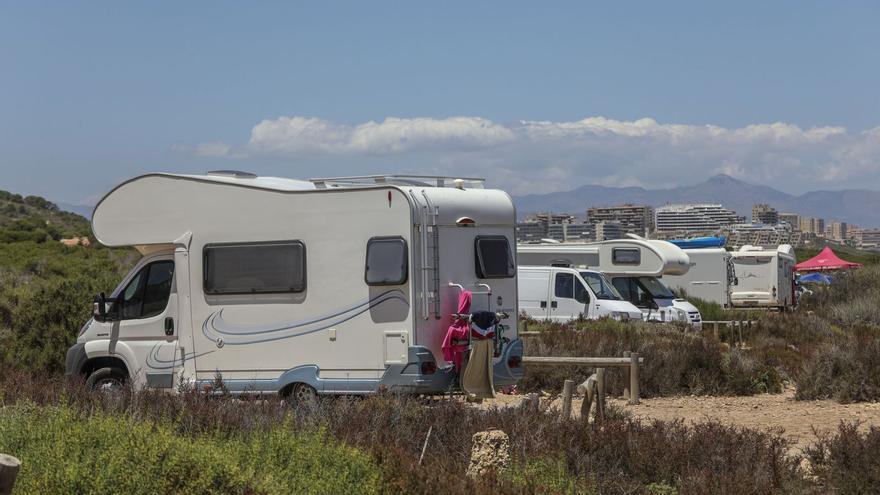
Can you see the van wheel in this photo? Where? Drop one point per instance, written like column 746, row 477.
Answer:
column 303, row 393
column 107, row 379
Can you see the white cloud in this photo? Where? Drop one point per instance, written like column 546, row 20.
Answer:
column 306, row 136
column 543, row 156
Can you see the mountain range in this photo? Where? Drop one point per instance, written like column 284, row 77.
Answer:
column 856, row 206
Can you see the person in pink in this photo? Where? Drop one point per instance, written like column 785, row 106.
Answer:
column 458, row 331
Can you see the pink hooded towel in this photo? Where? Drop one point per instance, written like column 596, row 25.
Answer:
column 457, row 331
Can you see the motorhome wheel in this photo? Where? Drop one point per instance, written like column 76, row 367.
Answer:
column 303, row 394
column 107, row 379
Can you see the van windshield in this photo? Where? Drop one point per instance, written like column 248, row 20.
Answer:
column 601, row 286
column 656, row 288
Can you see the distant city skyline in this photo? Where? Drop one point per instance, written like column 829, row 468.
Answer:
column 535, row 98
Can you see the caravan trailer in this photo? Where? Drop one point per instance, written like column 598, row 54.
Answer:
column 634, row 266
column 711, row 276
column 326, row 286
column 764, row 277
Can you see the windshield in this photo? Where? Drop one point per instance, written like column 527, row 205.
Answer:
column 656, row 288
column 601, row 286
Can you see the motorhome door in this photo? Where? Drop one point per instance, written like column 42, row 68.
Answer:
column 146, row 335
column 570, row 298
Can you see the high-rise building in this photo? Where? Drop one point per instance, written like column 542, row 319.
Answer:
column 607, row 230
column 557, row 226
column 813, row 225
column 836, row 231
column 634, row 219
column 764, row 213
column 694, row 218
column 792, row 219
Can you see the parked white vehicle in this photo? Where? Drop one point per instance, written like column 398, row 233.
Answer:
column 563, row 294
column 765, row 277
column 328, row 286
column 633, row 265
column 711, row 276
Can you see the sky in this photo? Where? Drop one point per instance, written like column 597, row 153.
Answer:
column 536, row 97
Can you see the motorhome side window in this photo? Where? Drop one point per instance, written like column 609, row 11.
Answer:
column 387, row 261
column 147, row 293
column 255, row 268
column 493, row 258
column 625, row 256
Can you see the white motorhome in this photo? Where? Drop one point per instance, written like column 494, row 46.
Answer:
column 764, row 277
column 563, row 294
column 711, row 276
column 327, row 286
column 633, row 265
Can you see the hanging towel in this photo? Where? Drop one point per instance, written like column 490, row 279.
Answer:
column 457, row 331
column 477, row 377
column 483, row 324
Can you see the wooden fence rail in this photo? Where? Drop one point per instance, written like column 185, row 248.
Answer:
column 631, row 360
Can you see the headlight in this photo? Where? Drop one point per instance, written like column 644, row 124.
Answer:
column 620, row 315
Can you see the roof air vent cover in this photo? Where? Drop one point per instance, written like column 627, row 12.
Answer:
column 238, row 174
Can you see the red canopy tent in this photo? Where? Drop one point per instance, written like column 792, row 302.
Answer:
column 825, row 260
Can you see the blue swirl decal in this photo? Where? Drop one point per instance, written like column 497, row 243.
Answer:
column 156, row 362
column 215, row 328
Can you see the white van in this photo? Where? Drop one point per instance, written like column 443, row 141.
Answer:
column 563, row 294
column 765, row 277
column 711, row 276
column 634, row 266
column 327, row 286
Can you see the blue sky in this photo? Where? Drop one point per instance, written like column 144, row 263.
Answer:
column 535, row 97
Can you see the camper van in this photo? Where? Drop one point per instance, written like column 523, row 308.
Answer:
column 634, row 266
column 711, row 275
column 325, row 286
column 563, row 294
column 764, row 277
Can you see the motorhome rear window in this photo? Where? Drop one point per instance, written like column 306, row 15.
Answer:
column 493, row 258
column 255, row 268
column 387, row 261
column 626, row 256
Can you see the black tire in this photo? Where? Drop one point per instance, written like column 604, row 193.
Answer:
column 302, row 394
column 109, row 379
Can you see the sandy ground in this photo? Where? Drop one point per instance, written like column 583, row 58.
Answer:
column 777, row 411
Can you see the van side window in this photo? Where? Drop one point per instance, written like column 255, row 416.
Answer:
column 387, row 261
column 492, row 257
column 570, row 288
column 255, row 268
column 147, row 293
column 626, row 256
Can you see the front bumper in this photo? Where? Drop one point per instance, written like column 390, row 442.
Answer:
column 75, row 359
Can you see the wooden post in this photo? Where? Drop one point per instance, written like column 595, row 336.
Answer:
column 634, row 378
column 9, row 467
column 627, row 380
column 567, row 390
column 600, row 394
column 715, row 328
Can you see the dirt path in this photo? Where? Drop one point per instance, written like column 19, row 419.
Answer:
column 796, row 418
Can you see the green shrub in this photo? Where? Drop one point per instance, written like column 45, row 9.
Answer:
column 847, row 461
column 46, row 293
column 63, row 451
column 676, row 360
column 846, row 369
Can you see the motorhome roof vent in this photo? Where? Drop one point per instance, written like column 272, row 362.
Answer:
column 238, row 174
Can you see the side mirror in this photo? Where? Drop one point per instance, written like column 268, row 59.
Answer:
column 99, row 309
